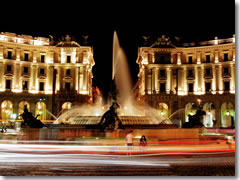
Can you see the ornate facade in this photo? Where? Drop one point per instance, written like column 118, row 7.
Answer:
column 46, row 77
column 175, row 78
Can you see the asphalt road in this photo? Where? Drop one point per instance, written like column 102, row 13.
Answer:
column 190, row 164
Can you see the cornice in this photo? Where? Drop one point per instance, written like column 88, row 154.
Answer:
column 186, row 49
column 42, row 48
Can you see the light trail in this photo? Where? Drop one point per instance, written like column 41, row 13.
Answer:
column 115, row 150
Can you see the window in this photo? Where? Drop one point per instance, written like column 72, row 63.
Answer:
column 190, row 73
column 25, row 85
column 68, row 59
column 42, row 58
column 162, row 72
column 189, row 59
column 162, row 58
column 67, row 86
column 8, row 84
column 225, row 56
column 190, row 87
column 226, row 86
column 225, row 70
column 41, row 86
column 208, row 71
column 162, row 87
column 207, row 58
column 9, row 54
column 9, row 68
column 25, row 69
column 208, row 86
column 68, row 72
column 42, row 71
column 26, row 57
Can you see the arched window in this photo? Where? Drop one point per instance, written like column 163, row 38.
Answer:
column 7, row 109
column 41, row 110
column 163, row 109
column 227, row 115
column 190, row 109
column 209, row 108
column 21, row 107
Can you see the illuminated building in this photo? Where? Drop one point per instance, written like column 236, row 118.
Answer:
column 46, row 77
column 180, row 77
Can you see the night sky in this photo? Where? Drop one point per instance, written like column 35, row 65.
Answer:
column 190, row 20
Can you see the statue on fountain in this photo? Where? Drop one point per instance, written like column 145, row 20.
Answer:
column 195, row 121
column 110, row 120
column 30, row 120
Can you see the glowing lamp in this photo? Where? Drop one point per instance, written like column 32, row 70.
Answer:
column 227, row 113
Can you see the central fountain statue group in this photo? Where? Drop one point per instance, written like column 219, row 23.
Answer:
column 110, row 120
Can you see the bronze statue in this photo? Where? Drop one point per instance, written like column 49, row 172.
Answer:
column 110, row 120
column 30, row 120
column 195, row 120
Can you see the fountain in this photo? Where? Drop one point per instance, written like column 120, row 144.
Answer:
column 130, row 113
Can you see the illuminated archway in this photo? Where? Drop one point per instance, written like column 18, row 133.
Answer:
column 227, row 115
column 209, row 108
column 162, row 109
column 41, row 110
column 190, row 109
column 7, row 109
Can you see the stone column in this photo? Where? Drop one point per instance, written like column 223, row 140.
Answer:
column 76, row 79
column 220, row 82
column 2, row 82
column 217, row 78
column 34, row 79
column 179, row 58
column 196, row 80
column 185, row 86
column 199, row 80
column 49, row 79
column 146, row 80
column 198, row 58
column 16, row 78
column 157, row 88
column 149, row 81
column 1, row 52
column 168, row 88
column 216, row 59
column 202, row 80
column 214, row 80
column 84, row 79
column 232, row 81
column 153, row 80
